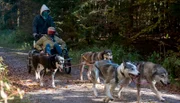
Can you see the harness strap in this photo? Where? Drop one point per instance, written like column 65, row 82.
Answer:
column 122, row 73
column 96, row 66
column 116, row 72
column 91, row 62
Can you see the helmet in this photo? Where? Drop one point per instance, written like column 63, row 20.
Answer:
column 51, row 31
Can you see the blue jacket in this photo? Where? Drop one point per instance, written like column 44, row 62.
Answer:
column 40, row 25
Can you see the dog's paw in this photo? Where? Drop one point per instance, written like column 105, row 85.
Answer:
column 81, row 79
column 162, row 99
column 107, row 99
column 98, row 81
column 41, row 84
column 53, row 86
column 119, row 95
column 95, row 93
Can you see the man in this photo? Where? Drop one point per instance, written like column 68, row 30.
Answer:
column 42, row 22
column 49, row 43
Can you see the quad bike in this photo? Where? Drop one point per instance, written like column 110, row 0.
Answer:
column 67, row 62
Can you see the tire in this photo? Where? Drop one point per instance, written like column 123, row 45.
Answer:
column 67, row 67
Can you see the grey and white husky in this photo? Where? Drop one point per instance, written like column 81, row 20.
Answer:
column 152, row 73
column 112, row 74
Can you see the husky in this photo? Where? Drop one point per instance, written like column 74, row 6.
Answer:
column 41, row 62
column 152, row 73
column 112, row 74
column 89, row 58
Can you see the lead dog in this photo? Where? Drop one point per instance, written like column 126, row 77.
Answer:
column 41, row 62
column 153, row 73
column 89, row 58
column 112, row 74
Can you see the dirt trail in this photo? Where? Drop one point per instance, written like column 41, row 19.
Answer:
column 68, row 88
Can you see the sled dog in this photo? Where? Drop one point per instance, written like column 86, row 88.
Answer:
column 152, row 73
column 89, row 58
column 112, row 74
column 41, row 62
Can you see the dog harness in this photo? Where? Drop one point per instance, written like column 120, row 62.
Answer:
column 116, row 73
column 115, row 66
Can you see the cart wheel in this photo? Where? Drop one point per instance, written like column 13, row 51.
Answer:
column 67, row 67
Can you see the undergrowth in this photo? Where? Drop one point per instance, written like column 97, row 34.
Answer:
column 14, row 39
column 9, row 93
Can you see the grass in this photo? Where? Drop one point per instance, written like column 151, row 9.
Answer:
column 9, row 38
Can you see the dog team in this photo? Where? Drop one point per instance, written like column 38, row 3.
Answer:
column 102, row 68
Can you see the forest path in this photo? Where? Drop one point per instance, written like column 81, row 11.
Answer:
column 68, row 88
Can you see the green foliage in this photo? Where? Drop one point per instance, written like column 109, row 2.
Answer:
column 121, row 53
column 154, row 57
column 174, row 8
column 8, row 92
column 172, row 64
column 15, row 39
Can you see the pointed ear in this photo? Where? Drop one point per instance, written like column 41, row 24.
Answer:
column 124, row 64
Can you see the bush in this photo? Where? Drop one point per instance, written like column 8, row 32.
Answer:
column 8, row 92
column 120, row 53
column 15, row 39
column 154, row 57
column 172, row 64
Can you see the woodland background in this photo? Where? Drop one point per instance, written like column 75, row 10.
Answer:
column 149, row 29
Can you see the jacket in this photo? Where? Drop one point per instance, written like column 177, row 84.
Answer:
column 43, row 41
column 41, row 25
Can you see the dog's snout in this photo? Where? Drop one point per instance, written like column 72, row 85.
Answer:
column 168, row 82
column 138, row 74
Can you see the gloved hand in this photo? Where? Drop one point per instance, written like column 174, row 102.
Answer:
column 41, row 51
column 35, row 35
column 64, row 51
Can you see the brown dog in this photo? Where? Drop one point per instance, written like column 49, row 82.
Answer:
column 89, row 58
